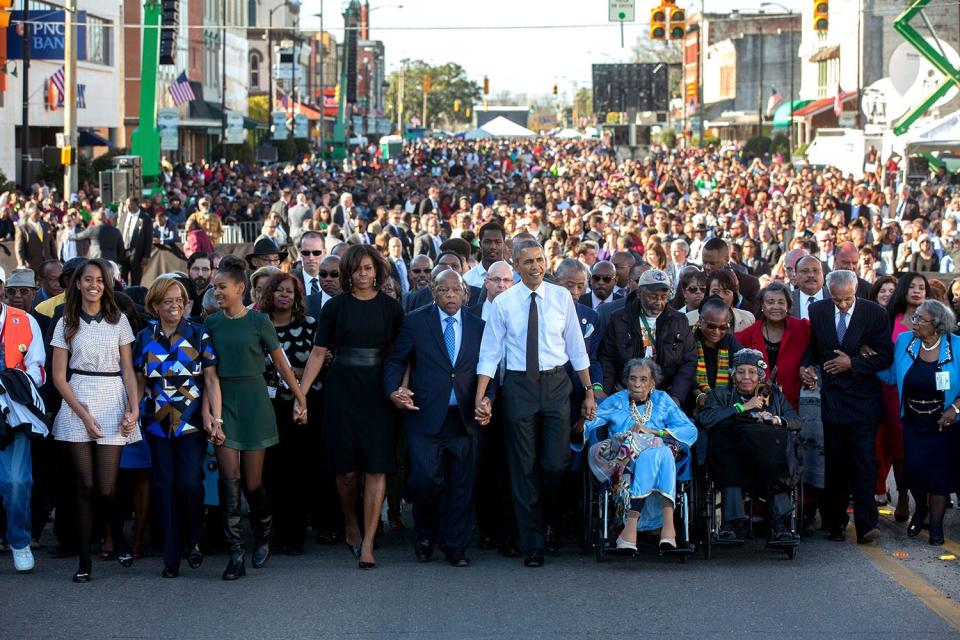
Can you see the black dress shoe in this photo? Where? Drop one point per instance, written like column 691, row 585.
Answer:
column 261, row 555
column 534, row 559
column 81, row 577
column 486, row 543
column 423, row 550
column 916, row 523
column 510, row 550
column 195, row 558
column 457, row 558
column 836, row 534
column 236, row 567
column 171, row 571
column 552, row 539
column 936, row 536
column 125, row 560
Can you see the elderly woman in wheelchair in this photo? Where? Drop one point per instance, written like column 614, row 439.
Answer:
column 751, row 430
column 647, row 433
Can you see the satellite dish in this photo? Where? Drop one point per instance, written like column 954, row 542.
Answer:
column 914, row 77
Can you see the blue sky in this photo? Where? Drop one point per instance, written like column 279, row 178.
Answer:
column 520, row 60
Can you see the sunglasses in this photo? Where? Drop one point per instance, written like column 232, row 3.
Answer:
column 419, row 270
column 696, row 289
column 314, row 252
column 328, row 274
column 712, row 326
column 598, row 278
column 19, row 291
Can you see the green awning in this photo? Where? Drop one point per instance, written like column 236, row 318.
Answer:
column 205, row 110
column 781, row 117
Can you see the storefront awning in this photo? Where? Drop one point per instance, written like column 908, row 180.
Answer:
column 87, row 138
column 821, row 105
column 826, row 53
column 784, row 113
column 205, row 110
column 734, row 119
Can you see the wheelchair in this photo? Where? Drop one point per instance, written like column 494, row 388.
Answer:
column 709, row 505
column 599, row 510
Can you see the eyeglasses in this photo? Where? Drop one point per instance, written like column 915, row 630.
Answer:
column 716, row 327
column 419, row 270
column 696, row 289
column 19, row 291
column 598, row 278
column 314, row 252
column 918, row 319
column 328, row 274
column 499, row 280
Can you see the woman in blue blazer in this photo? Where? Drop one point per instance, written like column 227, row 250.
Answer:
column 926, row 370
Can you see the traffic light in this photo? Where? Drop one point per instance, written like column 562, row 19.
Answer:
column 336, row 95
column 456, row 105
column 678, row 23
column 821, row 15
column 486, row 86
column 554, row 91
column 66, row 156
column 658, row 23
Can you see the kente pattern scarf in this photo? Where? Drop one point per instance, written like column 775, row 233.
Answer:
column 723, row 369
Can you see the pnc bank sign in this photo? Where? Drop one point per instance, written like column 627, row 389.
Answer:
column 46, row 34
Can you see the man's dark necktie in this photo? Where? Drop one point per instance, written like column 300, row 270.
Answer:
column 314, row 286
column 533, row 340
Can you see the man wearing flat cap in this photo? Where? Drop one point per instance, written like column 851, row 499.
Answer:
column 646, row 327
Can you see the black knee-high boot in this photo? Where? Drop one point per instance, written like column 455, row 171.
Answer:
column 261, row 517
column 232, row 527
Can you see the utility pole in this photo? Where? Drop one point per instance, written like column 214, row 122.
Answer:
column 223, row 81
column 70, row 174
column 25, row 91
column 760, row 88
column 701, row 46
column 403, row 73
column 323, row 52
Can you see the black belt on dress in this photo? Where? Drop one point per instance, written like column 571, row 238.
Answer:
column 357, row 357
column 100, row 374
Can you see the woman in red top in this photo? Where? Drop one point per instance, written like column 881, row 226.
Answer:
column 781, row 338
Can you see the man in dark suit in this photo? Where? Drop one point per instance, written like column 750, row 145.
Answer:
column 428, row 243
column 361, row 235
column 430, row 204
column 341, row 212
column 441, row 344
column 907, row 207
column 105, row 241
column 136, row 227
column 603, row 279
column 36, row 241
column 447, row 260
column 847, row 256
column 850, row 342
column 810, row 288
column 398, row 229
column 716, row 255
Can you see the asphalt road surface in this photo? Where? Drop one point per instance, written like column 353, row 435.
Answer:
column 831, row 590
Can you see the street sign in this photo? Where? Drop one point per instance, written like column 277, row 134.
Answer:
column 168, row 123
column 279, row 121
column 622, row 10
column 300, row 126
column 236, row 134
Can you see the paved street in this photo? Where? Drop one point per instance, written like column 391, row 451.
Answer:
column 832, row 590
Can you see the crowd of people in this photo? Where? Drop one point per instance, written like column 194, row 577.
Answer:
column 456, row 330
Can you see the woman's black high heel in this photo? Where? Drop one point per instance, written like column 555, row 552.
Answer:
column 916, row 523
column 125, row 560
column 366, row 565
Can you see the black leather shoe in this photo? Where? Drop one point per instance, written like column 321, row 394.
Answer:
column 836, row 534
column 552, row 539
column 936, row 536
column 457, row 558
column 236, row 567
column 125, row 560
column 172, row 571
column 534, row 559
column 423, row 550
column 195, row 559
column 81, row 578
column 486, row 543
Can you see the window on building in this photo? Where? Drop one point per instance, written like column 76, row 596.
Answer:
column 255, row 70
column 99, row 40
column 252, row 13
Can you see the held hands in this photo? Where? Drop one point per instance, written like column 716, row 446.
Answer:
column 589, row 408
column 402, row 398
column 839, row 364
column 299, row 413
column 808, row 375
column 483, row 411
column 129, row 423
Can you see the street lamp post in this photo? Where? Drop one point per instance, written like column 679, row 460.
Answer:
column 293, row 6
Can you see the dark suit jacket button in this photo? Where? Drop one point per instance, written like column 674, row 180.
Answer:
column 453, row 375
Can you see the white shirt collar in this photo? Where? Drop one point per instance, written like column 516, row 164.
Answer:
column 458, row 316
column 849, row 312
column 540, row 291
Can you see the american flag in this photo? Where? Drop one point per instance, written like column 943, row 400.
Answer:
column 838, row 101
column 57, row 80
column 181, row 91
column 775, row 100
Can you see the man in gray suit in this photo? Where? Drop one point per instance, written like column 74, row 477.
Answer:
column 105, row 241
column 809, row 287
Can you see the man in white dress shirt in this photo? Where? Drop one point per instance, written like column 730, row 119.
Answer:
column 534, row 326
column 810, row 287
column 398, row 264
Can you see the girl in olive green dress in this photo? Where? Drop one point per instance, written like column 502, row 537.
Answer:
column 245, row 424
